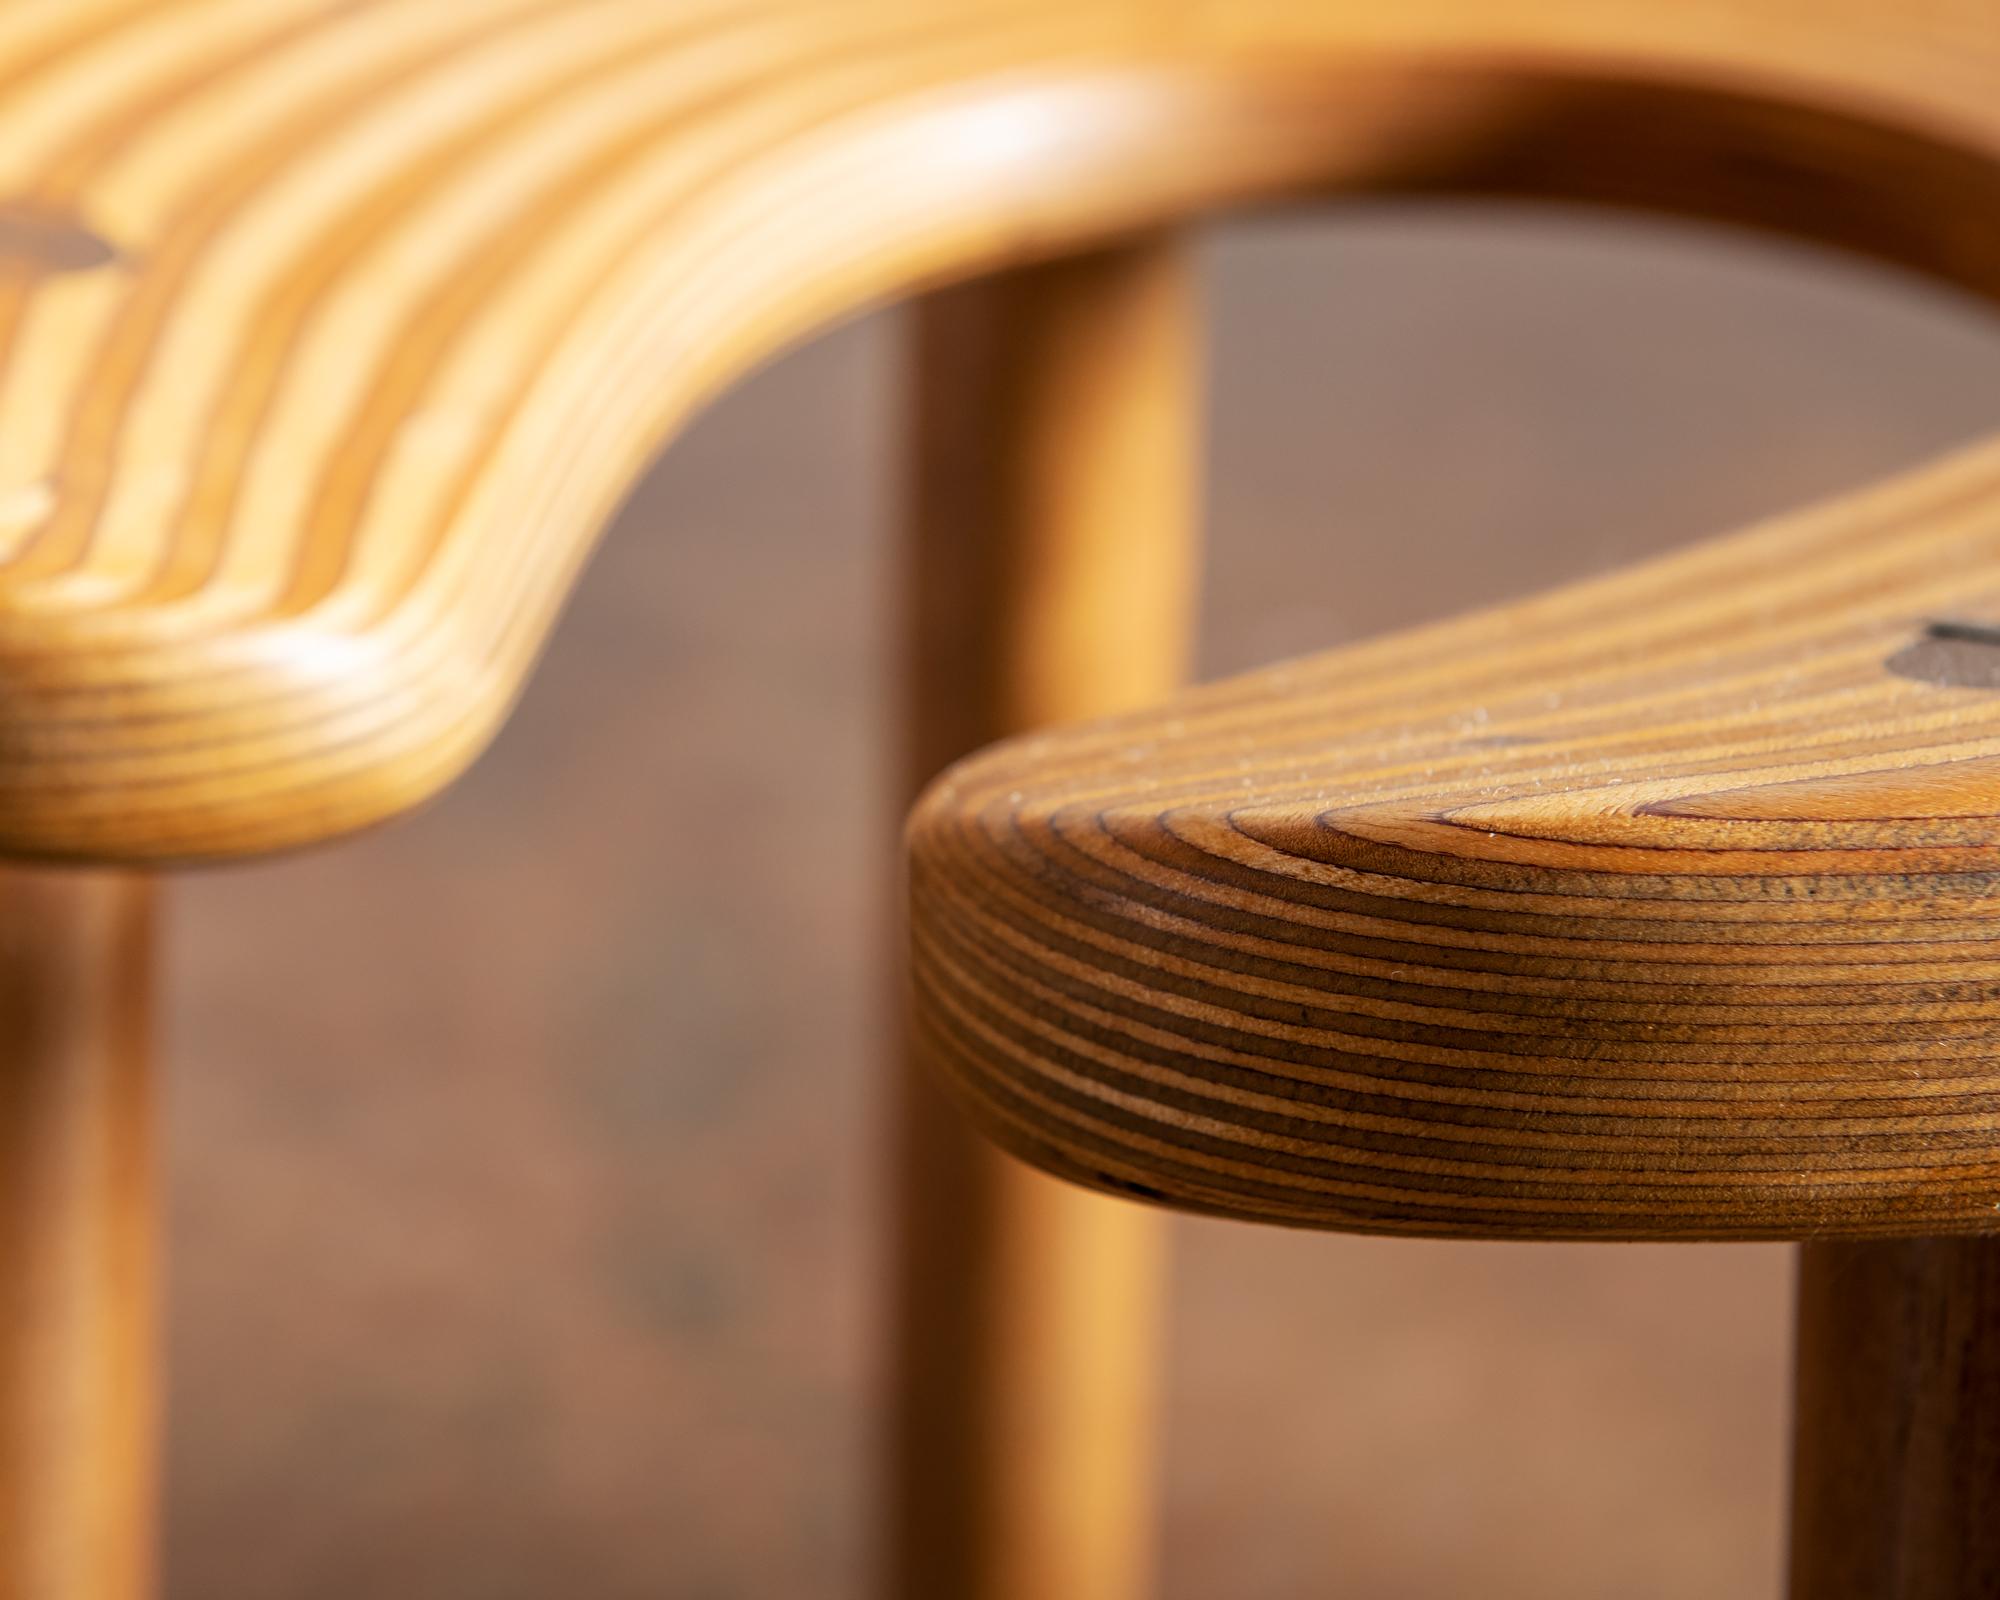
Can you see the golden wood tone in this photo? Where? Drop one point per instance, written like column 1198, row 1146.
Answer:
column 328, row 335
column 1659, row 907
column 1898, row 1446
column 1052, row 578
column 76, row 1246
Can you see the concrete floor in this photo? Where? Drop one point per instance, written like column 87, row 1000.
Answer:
column 526, row 1160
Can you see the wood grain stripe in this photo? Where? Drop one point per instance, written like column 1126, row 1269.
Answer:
column 1660, row 909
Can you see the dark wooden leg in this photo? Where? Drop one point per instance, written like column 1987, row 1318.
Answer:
column 1896, row 1465
column 76, row 1238
column 1053, row 572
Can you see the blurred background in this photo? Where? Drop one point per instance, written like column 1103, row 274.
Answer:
column 527, row 1158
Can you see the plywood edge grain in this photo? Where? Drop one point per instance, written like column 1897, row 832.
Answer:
column 1573, row 918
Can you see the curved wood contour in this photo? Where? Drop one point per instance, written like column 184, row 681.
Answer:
column 330, row 334
column 1661, row 906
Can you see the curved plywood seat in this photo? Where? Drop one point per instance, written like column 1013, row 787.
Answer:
column 1663, row 905
column 329, row 334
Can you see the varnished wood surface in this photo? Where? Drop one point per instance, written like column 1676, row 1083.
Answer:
column 1896, row 1462
column 1660, row 906
column 1052, row 420
column 328, row 334
column 77, row 1408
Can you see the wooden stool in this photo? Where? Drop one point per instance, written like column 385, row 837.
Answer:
column 330, row 334
column 1660, row 907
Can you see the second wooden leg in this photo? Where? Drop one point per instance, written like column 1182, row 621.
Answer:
column 76, row 1237
column 1054, row 567
column 1896, row 1465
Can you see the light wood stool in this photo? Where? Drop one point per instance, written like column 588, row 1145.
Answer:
column 1665, row 906
column 330, row 334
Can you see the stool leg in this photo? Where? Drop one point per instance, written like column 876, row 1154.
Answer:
column 1053, row 570
column 76, row 1237
column 1896, row 1466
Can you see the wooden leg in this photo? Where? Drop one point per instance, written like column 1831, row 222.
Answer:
column 76, row 1238
column 1056, row 453
column 1896, row 1466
